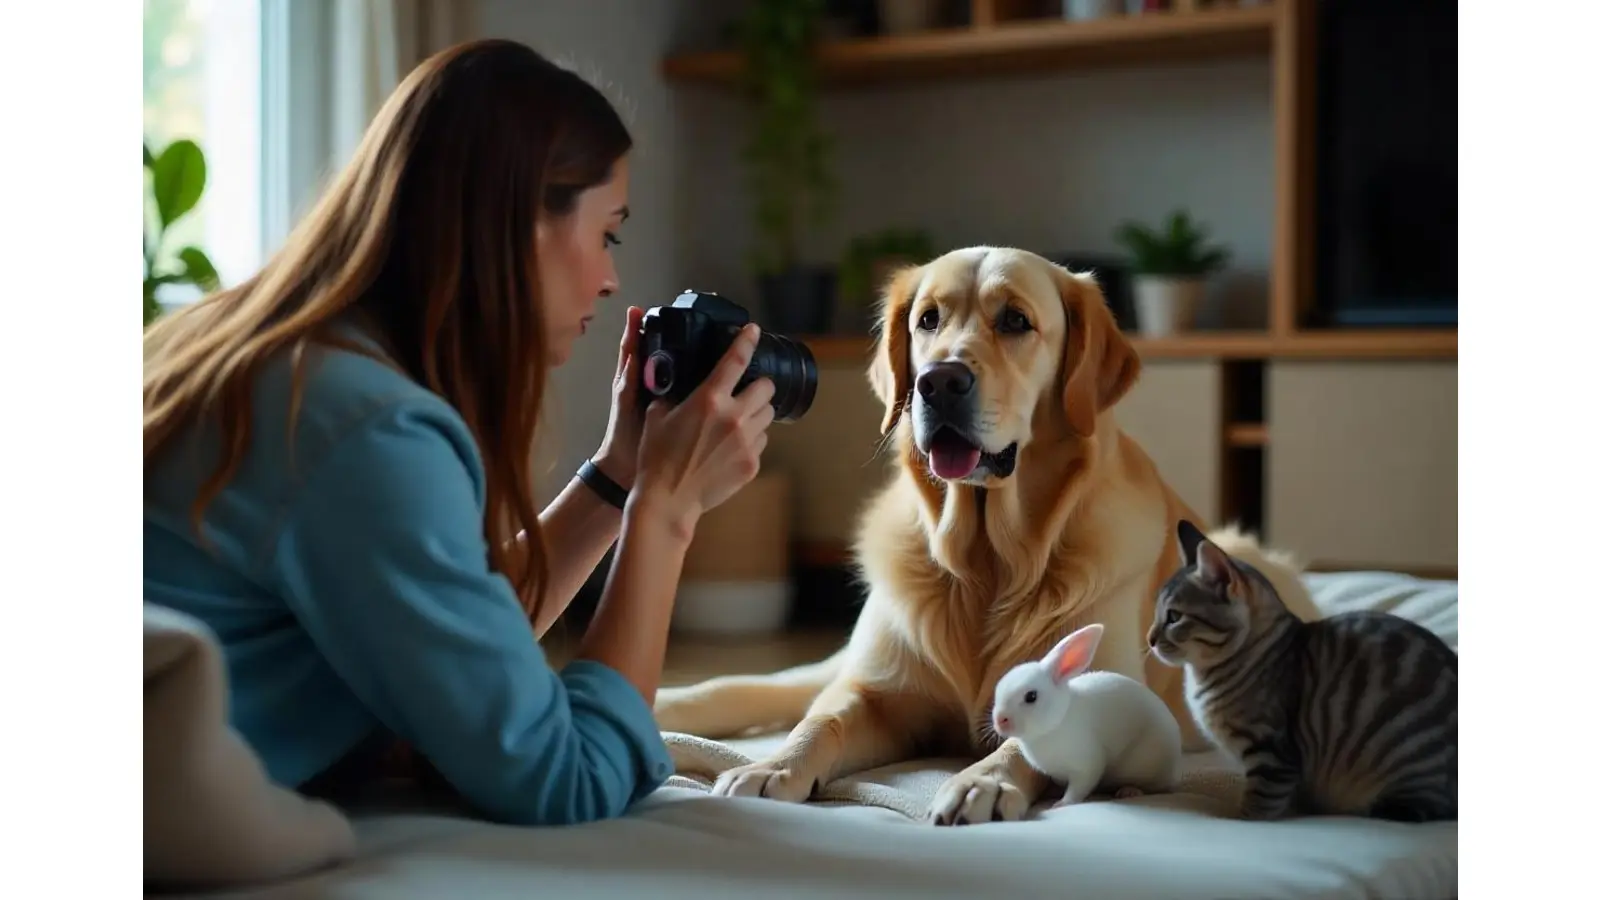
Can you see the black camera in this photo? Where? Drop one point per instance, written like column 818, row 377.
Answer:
column 681, row 344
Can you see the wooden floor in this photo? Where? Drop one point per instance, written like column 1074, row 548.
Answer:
column 691, row 659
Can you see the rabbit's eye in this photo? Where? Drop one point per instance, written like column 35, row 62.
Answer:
column 1030, row 696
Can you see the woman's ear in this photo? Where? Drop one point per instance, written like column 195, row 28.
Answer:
column 890, row 371
column 1100, row 365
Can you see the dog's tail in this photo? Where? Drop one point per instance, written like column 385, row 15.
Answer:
column 730, row 705
column 1281, row 569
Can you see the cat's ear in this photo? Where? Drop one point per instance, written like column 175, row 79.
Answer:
column 1189, row 538
column 1072, row 656
column 1213, row 565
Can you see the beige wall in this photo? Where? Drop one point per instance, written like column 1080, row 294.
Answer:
column 1049, row 163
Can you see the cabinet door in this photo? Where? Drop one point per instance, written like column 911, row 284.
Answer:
column 1361, row 464
column 1175, row 413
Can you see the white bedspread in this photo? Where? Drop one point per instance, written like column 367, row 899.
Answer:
column 861, row 838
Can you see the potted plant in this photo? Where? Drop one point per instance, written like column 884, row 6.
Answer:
column 788, row 160
column 868, row 261
column 1170, row 267
column 177, row 181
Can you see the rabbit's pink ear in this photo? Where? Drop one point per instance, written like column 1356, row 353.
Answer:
column 1073, row 655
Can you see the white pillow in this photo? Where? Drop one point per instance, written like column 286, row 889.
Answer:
column 212, row 817
column 1430, row 602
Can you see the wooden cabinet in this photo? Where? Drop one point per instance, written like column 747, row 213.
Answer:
column 1175, row 413
column 1362, row 465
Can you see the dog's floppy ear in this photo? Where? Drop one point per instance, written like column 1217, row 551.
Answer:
column 890, row 372
column 1099, row 362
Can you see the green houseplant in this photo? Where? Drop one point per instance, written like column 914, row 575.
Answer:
column 1170, row 265
column 869, row 259
column 177, row 181
column 787, row 157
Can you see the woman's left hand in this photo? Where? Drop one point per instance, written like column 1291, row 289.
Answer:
column 618, row 456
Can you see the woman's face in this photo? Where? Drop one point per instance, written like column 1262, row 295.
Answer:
column 575, row 264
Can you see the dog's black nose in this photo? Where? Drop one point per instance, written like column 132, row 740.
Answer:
column 944, row 380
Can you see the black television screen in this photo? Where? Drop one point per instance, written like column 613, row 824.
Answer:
column 1385, row 157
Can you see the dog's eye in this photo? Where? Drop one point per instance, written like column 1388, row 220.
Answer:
column 929, row 319
column 1030, row 696
column 1012, row 321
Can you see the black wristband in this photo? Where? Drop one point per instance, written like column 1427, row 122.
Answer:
column 609, row 491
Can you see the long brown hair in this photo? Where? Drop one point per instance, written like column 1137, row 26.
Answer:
column 428, row 234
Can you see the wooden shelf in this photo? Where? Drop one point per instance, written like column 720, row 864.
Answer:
column 1014, row 47
column 1342, row 344
column 1364, row 344
column 835, row 554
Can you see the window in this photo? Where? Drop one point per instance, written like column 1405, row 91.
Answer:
column 251, row 82
column 203, row 81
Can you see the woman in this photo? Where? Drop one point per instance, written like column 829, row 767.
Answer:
column 338, row 474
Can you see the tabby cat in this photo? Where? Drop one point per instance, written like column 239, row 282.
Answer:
column 1354, row 714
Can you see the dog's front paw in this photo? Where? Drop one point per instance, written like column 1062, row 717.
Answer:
column 968, row 798
column 773, row 779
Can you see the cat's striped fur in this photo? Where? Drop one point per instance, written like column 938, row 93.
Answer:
column 1354, row 714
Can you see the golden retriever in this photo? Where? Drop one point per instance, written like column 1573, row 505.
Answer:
column 1018, row 512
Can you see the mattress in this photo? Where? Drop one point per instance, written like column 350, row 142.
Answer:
column 682, row 843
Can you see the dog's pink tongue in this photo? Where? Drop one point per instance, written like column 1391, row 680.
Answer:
column 953, row 462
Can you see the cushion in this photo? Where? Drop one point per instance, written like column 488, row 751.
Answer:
column 211, row 814
column 1428, row 602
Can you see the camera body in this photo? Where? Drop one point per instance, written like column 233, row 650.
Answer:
column 681, row 344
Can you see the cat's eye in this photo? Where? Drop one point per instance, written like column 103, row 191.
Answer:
column 929, row 320
column 1030, row 696
column 1173, row 616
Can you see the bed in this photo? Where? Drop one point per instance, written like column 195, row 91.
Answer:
column 212, row 819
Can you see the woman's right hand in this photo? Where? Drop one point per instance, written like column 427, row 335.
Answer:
column 694, row 456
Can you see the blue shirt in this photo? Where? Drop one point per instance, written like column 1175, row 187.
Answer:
column 347, row 581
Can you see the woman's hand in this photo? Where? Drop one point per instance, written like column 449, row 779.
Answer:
column 691, row 458
column 694, row 456
column 618, row 456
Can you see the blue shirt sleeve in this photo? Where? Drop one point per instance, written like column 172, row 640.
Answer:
column 382, row 558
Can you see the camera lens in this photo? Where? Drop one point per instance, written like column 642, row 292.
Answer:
column 793, row 371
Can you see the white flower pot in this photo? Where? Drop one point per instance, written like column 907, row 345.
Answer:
column 1165, row 305
column 906, row 16
column 1083, row 10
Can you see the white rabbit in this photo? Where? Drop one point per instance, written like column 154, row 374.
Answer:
column 1088, row 729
